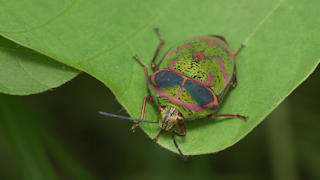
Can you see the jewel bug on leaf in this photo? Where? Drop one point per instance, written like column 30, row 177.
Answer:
column 189, row 83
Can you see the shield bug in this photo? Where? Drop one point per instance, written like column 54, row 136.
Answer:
column 189, row 83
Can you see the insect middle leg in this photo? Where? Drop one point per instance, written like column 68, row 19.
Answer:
column 143, row 110
column 145, row 67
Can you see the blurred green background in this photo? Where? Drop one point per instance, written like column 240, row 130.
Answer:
column 59, row 134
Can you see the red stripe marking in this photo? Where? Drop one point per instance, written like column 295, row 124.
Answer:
column 206, row 83
column 221, row 63
column 209, row 42
column 212, row 43
column 198, row 55
column 174, row 51
column 175, row 100
column 180, row 89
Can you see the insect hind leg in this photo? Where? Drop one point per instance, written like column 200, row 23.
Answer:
column 162, row 41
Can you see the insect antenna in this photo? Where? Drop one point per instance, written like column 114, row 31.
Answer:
column 126, row 118
column 175, row 143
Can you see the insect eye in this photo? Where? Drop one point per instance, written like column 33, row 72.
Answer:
column 180, row 119
column 160, row 109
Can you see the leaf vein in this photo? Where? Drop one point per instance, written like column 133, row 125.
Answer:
column 263, row 21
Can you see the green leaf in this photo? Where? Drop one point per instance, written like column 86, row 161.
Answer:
column 24, row 71
column 100, row 38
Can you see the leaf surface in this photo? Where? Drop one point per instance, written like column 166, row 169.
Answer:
column 100, row 38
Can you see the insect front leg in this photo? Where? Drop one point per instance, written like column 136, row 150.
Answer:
column 183, row 131
column 157, row 137
column 143, row 110
column 175, row 143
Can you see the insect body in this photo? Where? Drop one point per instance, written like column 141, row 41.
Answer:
column 190, row 82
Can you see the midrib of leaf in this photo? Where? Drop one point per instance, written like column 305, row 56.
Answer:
column 263, row 21
column 43, row 24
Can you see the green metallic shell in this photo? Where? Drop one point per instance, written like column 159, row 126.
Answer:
column 180, row 92
column 194, row 76
column 207, row 63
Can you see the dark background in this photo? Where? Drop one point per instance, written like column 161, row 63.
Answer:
column 60, row 133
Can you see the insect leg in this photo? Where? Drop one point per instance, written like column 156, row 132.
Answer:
column 133, row 128
column 235, row 75
column 159, row 133
column 146, row 69
column 233, row 115
column 235, row 82
column 175, row 143
column 236, row 53
column 158, row 49
column 182, row 129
